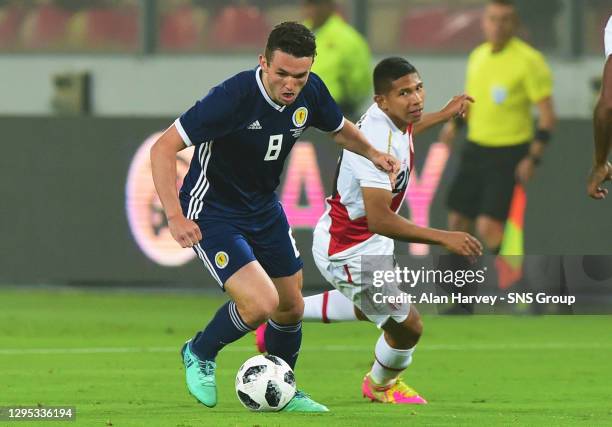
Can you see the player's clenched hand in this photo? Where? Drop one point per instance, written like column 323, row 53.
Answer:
column 524, row 170
column 461, row 243
column 184, row 231
column 458, row 105
column 386, row 163
column 599, row 175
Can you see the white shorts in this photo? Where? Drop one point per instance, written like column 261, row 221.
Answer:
column 345, row 275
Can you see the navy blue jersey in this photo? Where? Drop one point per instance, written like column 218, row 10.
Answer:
column 242, row 139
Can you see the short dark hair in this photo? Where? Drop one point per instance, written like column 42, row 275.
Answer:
column 389, row 70
column 292, row 38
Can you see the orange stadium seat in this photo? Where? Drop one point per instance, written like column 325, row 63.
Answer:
column 11, row 18
column 101, row 28
column 241, row 27
column 128, row 26
column 44, row 27
column 182, row 28
column 441, row 28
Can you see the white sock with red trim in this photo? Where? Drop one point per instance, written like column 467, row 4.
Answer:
column 313, row 308
column 389, row 363
column 330, row 306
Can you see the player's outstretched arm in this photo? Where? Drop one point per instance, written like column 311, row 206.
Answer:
column 547, row 119
column 602, row 129
column 351, row 138
column 382, row 220
column 456, row 107
column 163, row 167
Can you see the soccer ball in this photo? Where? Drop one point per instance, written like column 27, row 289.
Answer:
column 265, row 383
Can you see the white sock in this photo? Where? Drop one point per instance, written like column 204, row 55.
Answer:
column 330, row 306
column 389, row 363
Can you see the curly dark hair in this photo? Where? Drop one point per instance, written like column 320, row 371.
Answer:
column 292, row 38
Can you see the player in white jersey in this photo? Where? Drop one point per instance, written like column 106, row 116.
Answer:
column 602, row 125
column 361, row 219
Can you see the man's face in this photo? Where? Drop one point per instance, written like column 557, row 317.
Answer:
column 285, row 75
column 317, row 13
column 404, row 102
column 499, row 23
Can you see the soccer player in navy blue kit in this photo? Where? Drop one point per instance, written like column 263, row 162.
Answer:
column 227, row 211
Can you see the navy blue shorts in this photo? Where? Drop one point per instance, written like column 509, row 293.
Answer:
column 228, row 244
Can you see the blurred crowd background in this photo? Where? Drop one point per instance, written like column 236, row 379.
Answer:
column 563, row 27
column 133, row 49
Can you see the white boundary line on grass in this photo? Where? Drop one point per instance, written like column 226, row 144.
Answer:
column 325, row 348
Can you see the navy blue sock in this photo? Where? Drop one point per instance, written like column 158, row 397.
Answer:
column 226, row 327
column 284, row 341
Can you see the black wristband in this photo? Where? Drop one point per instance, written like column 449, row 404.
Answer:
column 459, row 122
column 543, row 135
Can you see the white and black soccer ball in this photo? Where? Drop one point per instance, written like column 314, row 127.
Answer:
column 265, row 383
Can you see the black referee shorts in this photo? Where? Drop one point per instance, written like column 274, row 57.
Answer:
column 485, row 182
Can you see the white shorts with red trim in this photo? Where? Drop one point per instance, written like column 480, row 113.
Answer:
column 346, row 276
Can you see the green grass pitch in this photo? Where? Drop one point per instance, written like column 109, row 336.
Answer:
column 115, row 356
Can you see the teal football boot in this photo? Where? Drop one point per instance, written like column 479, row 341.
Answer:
column 301, row 402
column 200, row 376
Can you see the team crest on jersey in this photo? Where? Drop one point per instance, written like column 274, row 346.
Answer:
column 499, row 94
column 299, row 116
column 221, row 259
